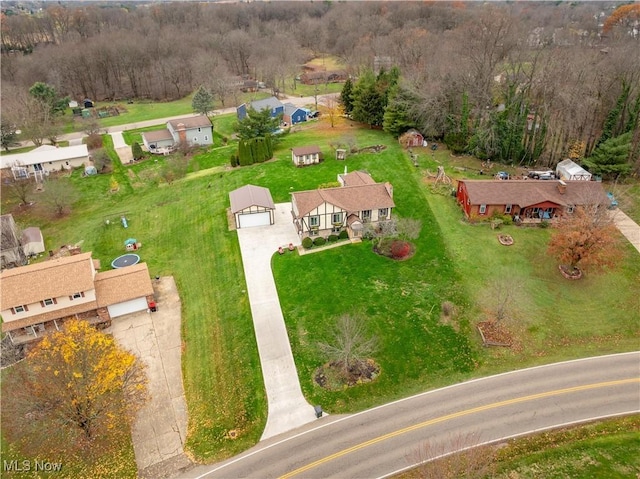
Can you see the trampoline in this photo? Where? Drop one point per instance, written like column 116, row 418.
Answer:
column 125, row 260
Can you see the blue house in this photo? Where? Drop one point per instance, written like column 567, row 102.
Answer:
column 272, row 103
column 294, row 114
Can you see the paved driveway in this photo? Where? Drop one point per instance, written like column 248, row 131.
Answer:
column 287, row 407
column 160, row 428
column 627, row 227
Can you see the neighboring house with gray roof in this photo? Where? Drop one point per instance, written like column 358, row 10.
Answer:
column 529, row 200
column 272, row 104
column 11, row 251
column 32, row 241
column 45, row 159
column 38, row 298
column 252, row 206
column 196, row 130
column 330, row 210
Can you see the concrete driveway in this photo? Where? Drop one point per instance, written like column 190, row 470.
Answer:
column 160, row 429
column 287, row 407
column 627, row 227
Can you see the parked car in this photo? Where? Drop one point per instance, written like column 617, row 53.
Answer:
column 542, row 174
column 502, row 175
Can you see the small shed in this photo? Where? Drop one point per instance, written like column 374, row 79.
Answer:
column 569, row 170
column 32, row 241
column 252, row 206
column 411, row 138
column 306, row 155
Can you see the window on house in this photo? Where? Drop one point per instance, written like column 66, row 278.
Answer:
column 20, row 309
column 570, row 208
column 507, row 209
column 366, row 215
column 199, row 130
column 314, row 221
column 76, row 296
column 206, row 137
column 483, row 209
column 48, row 302
column 336, row 218
column 383, row 213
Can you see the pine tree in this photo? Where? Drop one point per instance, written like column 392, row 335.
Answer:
column 611, row 158
column 202, row 101
column 346, row 96
column 257, row 124
column 397, row 117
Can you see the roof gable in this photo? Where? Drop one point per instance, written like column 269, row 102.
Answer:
column 271, row 103
column 305, row 150
column 123, row 284
column 199, row 121
column 348, row 198
column 250, row 195
column 49, row 279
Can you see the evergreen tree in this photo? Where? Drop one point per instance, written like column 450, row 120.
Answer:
column 52, row 103
column 202, row 101
column 397, row 116
column 614, row 118
column 368, row 101
column 257, row 124
column 346, row 97
column 136, row 151
column 611, row 158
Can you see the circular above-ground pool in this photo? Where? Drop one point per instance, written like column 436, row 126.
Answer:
column 125, row 260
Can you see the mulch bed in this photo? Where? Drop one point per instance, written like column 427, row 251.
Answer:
column 331, row 376
column 494, row 335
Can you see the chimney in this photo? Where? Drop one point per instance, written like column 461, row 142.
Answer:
column 562, row 187
column 182, row 133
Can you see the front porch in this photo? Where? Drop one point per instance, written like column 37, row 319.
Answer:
column 37, row 331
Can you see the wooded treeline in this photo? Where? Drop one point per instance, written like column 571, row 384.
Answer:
column 518, row 82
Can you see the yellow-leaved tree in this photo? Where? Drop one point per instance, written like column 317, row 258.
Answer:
column 73, row 391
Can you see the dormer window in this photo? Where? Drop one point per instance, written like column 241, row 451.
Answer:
column 76, row 296
column 19, row 309
column 48, row 302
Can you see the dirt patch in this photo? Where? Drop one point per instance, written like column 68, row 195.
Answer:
column 495, row 334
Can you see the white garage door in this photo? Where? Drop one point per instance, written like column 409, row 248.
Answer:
column 256, row 219
column 126, row 307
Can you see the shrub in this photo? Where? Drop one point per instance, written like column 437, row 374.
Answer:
column 307, row 243
column 343, row 234
column 332, row 238
column 319, row 241
column 544, row 224
column 507, row 220
column 94, row 141
column 448, row 308
column 136, row 151
column 400, row 249
column 234, row 160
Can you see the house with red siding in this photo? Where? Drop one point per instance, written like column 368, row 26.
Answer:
column 529, row 201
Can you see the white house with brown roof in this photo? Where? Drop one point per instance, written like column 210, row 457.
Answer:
column 330, row 210
column 196, row 130
column 38, row 298
column 252, row 206
column 306, row 155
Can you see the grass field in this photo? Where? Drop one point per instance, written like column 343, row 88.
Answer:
column 184, row 232
column 604, row 449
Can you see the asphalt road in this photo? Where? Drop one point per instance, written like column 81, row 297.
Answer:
column 385, row 440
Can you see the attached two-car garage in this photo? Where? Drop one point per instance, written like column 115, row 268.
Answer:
column 252, row 206
column 124, row 290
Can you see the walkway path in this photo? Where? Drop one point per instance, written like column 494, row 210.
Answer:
column 287, row 407
column 122, row 149
column 627, row 227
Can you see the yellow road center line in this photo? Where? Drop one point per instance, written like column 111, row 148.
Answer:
column 466, row 412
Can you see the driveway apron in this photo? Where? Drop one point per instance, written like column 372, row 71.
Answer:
column 287, row 407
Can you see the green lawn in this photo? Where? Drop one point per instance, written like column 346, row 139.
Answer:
column 608, row 449
column 184, row 232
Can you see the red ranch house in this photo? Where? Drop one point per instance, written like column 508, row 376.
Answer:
column 531, row 201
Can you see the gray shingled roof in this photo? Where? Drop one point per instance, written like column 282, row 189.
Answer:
column 270, row 103
column 250, row 195
column 200, row 121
